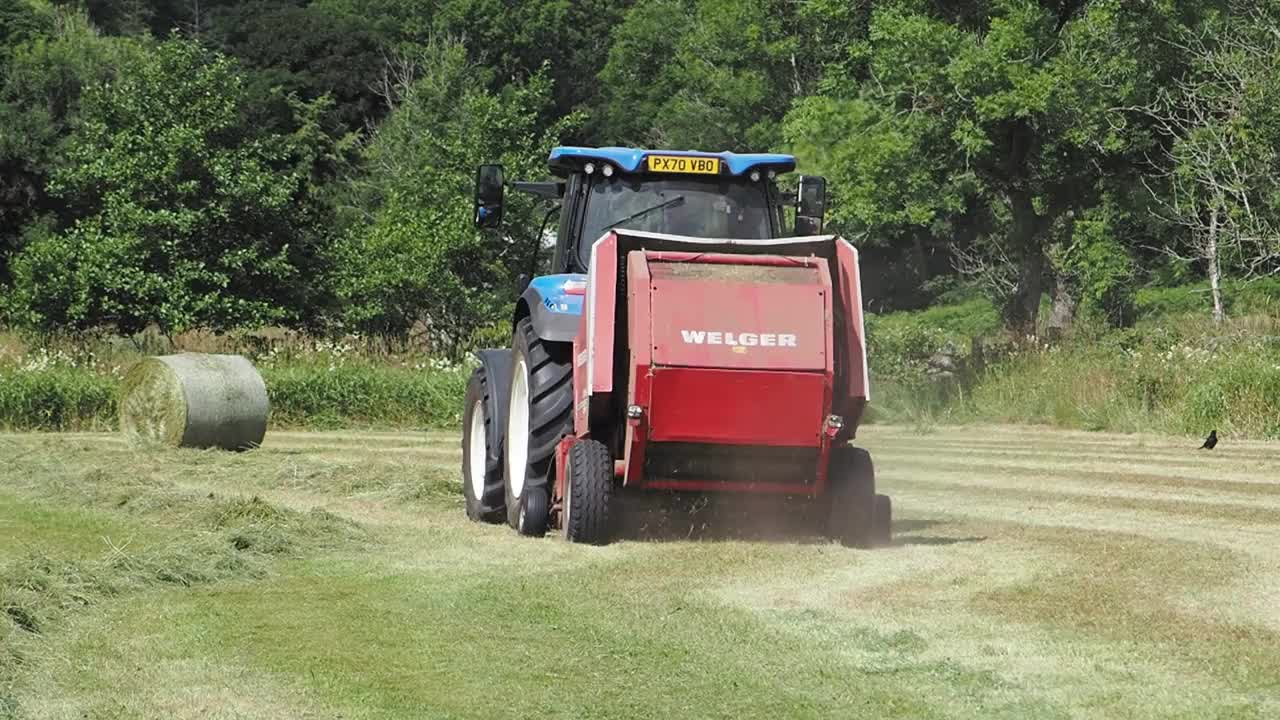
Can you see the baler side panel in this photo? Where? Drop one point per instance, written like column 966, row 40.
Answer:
column 593, row 353
column 639, row 374
column 581, row 387
column 602, row 303
column 852, row 398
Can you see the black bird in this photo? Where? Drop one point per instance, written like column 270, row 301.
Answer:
column 1210, row 441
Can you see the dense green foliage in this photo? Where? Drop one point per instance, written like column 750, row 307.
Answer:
column 418, row 260
column 182, row 215
column 232, row 164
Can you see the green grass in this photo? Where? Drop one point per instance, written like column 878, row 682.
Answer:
column 1259, row 297
column 1035, row 574
column 965, row 319
column 62, row 531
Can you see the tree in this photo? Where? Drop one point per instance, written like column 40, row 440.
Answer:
column 989, row 122
column 706, row 74
column 510, row 40
column 44, row 65
column 1217, row 175
column 566, row 41
column 182, row 214
column 305, row 51
column 412, row 258
column 20, row 21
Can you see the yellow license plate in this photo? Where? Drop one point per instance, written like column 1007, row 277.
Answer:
column 679, row 164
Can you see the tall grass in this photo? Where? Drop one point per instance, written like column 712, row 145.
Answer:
column 305, row 395
column 1176, row 372
column 1160, row 380
column 311, row 384
column 56, row 399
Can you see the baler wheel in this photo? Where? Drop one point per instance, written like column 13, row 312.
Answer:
column 534, row 510
column 539, row 414
column 481, row 461
column 588, row 497
column 852, row 495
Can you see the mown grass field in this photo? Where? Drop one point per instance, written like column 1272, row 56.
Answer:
column 1036, row 573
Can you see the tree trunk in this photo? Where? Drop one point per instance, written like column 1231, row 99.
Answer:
column 918, row 259
column 1215, row 272
column 1023, row 305
column 1064, row 307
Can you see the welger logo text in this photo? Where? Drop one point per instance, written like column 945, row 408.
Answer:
column 703, row 337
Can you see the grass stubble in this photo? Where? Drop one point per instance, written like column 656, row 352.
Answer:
column 333, row 574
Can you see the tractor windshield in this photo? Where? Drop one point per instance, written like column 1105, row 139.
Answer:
column 714, row 207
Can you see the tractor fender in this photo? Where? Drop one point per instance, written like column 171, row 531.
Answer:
column 553, row 321
column 497, row 367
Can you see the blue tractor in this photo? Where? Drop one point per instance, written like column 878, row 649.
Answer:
column 519, row 402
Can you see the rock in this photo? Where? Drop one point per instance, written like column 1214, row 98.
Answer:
column 942, row 361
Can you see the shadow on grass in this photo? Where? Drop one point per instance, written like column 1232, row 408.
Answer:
column 936, row 540
column 675, row 517
column 680, row 517
column 902, row 536
column 906, row 526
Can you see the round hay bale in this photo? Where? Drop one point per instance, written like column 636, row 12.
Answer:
column 194, row 400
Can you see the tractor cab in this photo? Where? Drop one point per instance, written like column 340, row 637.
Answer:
column 709, row 195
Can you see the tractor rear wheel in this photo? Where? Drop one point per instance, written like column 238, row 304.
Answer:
column 587, row 506
column 481, row 459
column 539, row 414
column 851, row 489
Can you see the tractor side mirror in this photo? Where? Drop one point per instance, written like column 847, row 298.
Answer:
column 522, row 283
column 489, row 188
column 811, row 206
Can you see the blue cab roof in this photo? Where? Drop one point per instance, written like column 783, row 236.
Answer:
column 565, row 159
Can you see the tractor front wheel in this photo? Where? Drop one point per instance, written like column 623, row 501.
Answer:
column 538, row 416
column 851, row 489
column 588, row 494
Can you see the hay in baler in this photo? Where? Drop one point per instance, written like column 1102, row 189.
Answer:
column 194, row 400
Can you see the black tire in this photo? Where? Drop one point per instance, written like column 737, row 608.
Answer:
column 883, row 520
column 549, row 412
column 587, row 511
column 851, row 488
column 534, row 510
column 484, row 499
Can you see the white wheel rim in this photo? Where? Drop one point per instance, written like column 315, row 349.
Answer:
column 518, row 428
column 477, row 451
